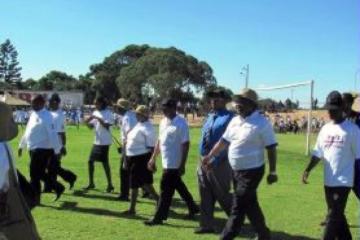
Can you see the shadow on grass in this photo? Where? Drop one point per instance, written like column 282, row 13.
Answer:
column 86, row 194
column 73, row 207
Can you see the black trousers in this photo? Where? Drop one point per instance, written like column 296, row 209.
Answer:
column 336, row 223
column 171, row 181
column 245, row 203
column 124, row 177
column 55, row 169
column 40, row 159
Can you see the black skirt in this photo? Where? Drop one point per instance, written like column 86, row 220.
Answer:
column 99, row 153
column 139, row 173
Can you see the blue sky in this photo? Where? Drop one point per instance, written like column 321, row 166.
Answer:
column 283, row 41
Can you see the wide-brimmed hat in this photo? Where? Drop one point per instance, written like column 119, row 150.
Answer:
column 334, row 101
column 143, row 110
column 8, row 127
column 123, row 103
column 246, row 94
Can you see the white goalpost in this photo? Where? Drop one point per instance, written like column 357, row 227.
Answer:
column 310, row 84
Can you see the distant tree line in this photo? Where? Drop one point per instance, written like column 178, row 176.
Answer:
column 138, row 72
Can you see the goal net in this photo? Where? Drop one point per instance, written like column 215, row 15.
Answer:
column 290, row 108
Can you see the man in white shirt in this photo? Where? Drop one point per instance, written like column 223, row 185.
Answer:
column 55, row 168
column 128, row 121
column 338, row 145
column 247, row 136
column 173, row 143
column 101, row 120
column 42, row 141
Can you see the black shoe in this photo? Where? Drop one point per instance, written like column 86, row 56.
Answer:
column 109, row 189
column 201, row 230
column 90, row 186
column 59, row 193
column 153, row 222
column 192, row 213
column 72, row 183
column 123, row 198
column 129, row 212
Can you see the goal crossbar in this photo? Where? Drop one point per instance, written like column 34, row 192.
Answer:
column 300, row 84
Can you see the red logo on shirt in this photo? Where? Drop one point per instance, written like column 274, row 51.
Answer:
column 334, row 141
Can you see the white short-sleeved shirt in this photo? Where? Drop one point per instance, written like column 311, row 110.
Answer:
column 40, row 132
column 338, row 145
column 5, row 166
column 59, row 120
column 128, row 121
column 172, row 134
column 102, row 134
column 247, row 138
column 140, row 139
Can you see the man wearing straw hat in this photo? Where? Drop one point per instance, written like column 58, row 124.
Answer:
column 16, row 222
column 139, row 148
column 128, row 121
column 214, row 186
column 247, row 136
column 42, row 141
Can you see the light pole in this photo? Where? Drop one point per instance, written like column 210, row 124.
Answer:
column 245, row 70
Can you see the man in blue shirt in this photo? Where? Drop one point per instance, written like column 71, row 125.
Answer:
column 214, row 185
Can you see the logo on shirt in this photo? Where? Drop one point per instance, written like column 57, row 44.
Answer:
column 334, row 141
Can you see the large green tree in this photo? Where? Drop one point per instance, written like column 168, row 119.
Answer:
column 10, row 72
column 106, row 73
column 167, row 72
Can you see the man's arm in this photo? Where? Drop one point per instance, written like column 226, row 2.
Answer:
column 152, row 161
column 216, row 150
column 184, row 154
column 62, row 137
column 272, row 157
column 313, row 162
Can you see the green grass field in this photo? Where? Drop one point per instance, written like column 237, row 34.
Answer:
column 292, row 210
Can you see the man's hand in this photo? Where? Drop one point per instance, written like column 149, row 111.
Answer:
column 20, row 152
column 206, row 163
column 4, row 210
column 182, row 170
column 305, row 177
column 151, row 165
column 272, row 178
column 63, row 151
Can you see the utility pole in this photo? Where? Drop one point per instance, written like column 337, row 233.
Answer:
column 246, row 70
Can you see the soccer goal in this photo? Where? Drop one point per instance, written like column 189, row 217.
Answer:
column 307, row 99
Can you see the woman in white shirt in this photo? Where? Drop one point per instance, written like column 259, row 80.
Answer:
column 139, row 148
